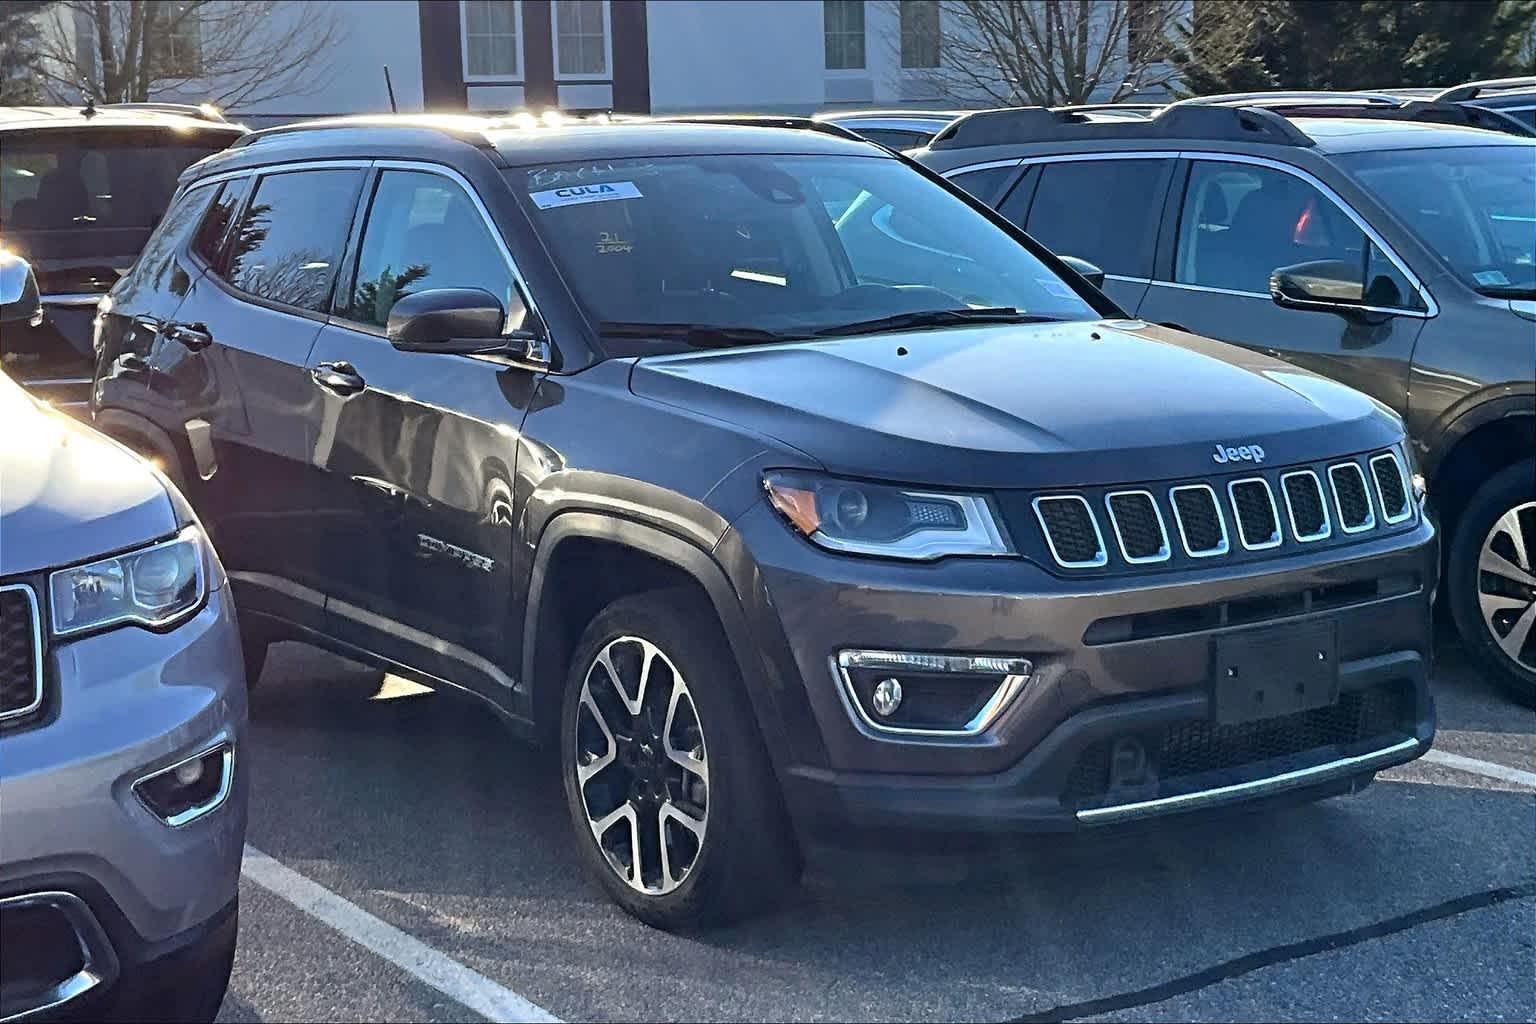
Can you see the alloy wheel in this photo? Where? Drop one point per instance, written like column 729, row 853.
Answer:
column 1507, row 583
column 641, row 765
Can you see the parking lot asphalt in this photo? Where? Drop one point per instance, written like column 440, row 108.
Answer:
column 449, row 842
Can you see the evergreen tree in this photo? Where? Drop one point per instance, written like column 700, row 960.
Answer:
column 20, row 52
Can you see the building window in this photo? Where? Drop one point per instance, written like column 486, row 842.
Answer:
column 491, row 34
column 843, row 26
column 919, row 33
column 177, row 27
column 581, row 39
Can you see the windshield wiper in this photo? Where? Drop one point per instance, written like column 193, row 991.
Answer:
column 1508, row 291
column 936, row 318
column 694, row 335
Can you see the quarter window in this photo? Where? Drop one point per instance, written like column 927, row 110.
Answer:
column 423, row 232
column 491, row 35
column 983, row 183
column 581, row 38
column 843, row 28
column 1241, row 222
column 210, row 233
column 1102, row 211
column 159, row 255
column 292, row 235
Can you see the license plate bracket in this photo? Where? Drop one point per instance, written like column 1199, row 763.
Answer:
column 1273, row 671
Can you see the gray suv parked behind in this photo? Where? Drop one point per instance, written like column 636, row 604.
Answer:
column 1354, row 237
column 775, row 480
column 122, row 712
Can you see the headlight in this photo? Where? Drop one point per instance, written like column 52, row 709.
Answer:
column 154, row 586
column 893, row 522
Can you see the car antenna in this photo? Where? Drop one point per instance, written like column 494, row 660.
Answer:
column 89, row 110
column 390, row 86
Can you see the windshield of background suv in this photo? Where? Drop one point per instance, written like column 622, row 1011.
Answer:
column 1475, row 206
column 783, row 244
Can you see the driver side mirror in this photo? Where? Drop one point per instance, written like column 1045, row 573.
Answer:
column 19, row 298
column 1330, row 285
column 1090, row 273
column 462, row 321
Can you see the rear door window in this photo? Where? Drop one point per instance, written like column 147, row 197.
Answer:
column 292, row 234
column 209, row 240
column 1102, row 211
column 423, row 232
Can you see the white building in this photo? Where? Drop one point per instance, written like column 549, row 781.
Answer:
column 633, row 56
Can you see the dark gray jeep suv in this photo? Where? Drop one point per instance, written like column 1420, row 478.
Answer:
column 782, row 514
column 1353, row 236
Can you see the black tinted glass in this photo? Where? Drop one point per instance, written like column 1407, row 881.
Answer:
column 67, row 180
column 894, row 138
column 983, row 184
column 1102, row 211
column 291, row 237
column 423, row 232
column 158, row 259
column 211, row 232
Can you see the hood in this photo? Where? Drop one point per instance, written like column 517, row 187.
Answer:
column 67, row 494
column 1028, row 405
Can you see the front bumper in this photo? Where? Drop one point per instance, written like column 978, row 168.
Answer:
column 1111, row 661
column 122, row 705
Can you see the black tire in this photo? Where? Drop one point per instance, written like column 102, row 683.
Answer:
column 748, row 856
column 1509, row 488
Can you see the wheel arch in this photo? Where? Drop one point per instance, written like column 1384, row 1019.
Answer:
column 1478, row 443
column 585, row 561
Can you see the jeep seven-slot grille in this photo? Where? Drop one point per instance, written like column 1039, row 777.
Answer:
column 1201, row 526
column 1138, row 526
column 1254, row 506
column 1353, row 500
column 21, row 680
column 1389, row 487
column 1071, row 530
column 1258, row 513
column 1304, row 504
column 1182, row 756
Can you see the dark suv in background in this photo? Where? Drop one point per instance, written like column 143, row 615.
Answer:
column 767, row 514
column 1358, row 237
column 80, row 191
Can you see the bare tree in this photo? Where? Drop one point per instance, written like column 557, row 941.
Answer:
column 1053, row 52
column 227, row 52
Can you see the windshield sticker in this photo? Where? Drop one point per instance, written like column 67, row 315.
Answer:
column 1059, row 289
column 1489, row 278
column 576, row 195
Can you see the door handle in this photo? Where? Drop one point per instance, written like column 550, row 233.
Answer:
column 339, row 377
column 194, row 336
column 154, row 325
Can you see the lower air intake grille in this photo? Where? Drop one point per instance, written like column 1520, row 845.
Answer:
column 1304, row 504
column 1138, row 526
column 21, row 682
column 1189, row 749
column 1389, row 488
column 1071, row 530
column 1199, row 520
column 1255, row 508
column 1351, row 497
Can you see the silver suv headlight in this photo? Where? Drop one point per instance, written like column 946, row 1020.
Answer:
column 892, row 522
column 156, row 586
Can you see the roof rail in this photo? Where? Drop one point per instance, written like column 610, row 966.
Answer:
column 1369, row 105
column 1472, row 90
column 201, row 111
column 804, row 124
column 1112, row 108
column 1283, row 95
column 1039, row 124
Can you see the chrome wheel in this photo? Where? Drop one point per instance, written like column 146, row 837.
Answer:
column 641, row 765
column 1507, row 583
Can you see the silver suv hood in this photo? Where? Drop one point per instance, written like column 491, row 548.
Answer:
column 67, row 494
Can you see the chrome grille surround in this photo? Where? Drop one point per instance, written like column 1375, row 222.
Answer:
column 1102, row 555
column 1334, row 471
column 33, row 642
column 1224, row 545
column 1164, row 552
column 1402, row 482
column 1322, row 501
column 1275, row 536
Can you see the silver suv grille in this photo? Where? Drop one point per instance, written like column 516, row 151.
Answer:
column 21, row 653
column 1323, row 504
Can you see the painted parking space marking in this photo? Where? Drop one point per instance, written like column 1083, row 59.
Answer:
column 428, row 965
column 1477, row 766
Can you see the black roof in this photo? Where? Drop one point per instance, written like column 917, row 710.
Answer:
column 180, row 117
column 525, row 142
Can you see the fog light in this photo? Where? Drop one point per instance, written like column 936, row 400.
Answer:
column 189, row 789
column 887, row 697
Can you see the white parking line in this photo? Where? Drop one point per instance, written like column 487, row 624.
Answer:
column 1485, row 768
column 442, row 972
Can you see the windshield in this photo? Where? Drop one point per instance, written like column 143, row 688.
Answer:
column 1476, row 207
column 788, row 245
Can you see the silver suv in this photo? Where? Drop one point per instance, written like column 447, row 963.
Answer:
column 122, row 712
